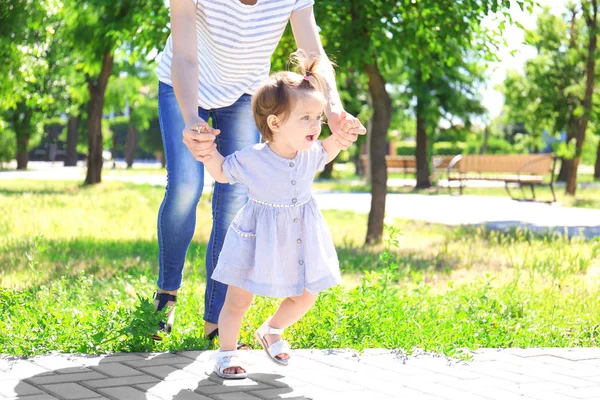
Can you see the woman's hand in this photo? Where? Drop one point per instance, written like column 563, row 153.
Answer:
column 199, row 137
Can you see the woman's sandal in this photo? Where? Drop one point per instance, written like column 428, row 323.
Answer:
column 163, row 300
column 229, row 359
column 215, row 334
column 279, row 347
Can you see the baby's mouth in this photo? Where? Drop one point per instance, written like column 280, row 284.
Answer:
column 311, row 138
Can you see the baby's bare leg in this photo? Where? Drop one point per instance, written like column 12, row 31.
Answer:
column 237, row 302
column 290, row 311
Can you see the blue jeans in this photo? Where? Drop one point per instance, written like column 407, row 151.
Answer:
column 185, row 180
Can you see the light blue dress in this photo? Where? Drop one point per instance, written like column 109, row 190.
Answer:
column 278, row 243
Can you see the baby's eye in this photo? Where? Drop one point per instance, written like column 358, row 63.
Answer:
column 320, row 117
column 305, row 118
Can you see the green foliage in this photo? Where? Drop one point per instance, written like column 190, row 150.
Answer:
column 437, row 289
column 8, row 145
column 495, row 145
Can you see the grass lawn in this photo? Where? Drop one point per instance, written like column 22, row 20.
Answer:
column 78, row 264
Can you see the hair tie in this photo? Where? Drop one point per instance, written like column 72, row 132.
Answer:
column 306, row 78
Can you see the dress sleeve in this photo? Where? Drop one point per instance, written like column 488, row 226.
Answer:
column 233, row 168
column 302, row 4
column 319, row 156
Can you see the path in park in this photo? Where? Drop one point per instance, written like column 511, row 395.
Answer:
column 525, row 374
column 496, row 212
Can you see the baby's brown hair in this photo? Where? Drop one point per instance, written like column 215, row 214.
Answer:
column 279, row 93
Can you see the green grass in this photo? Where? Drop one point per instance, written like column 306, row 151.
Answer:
column 78, row 264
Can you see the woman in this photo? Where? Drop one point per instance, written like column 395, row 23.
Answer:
column 216, row 57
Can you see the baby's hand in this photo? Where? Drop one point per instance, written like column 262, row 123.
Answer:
column 199, row 138
column 345, row 128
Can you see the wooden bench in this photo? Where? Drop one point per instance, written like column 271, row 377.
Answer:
column 407, row 164
column 517, row 169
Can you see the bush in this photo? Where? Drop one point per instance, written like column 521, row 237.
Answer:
column 8, row 145
column 406, row 149
column 496, row 145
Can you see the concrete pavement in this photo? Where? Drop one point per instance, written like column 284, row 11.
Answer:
column 525, row 374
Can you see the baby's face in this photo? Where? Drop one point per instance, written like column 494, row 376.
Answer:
column 303, row 125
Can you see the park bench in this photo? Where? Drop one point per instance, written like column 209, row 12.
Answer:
column 408, row 164
column 513, row 169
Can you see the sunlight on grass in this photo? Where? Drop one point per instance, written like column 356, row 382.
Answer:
column 75, row 259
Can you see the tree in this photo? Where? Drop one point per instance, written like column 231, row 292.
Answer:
column 133, row 89
column 582, row 115
column 556, row 92
column 23, row 50
column 422, row 38
column 96, row 29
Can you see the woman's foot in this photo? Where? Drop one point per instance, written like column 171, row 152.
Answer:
column 162, row 299
column 211, row 332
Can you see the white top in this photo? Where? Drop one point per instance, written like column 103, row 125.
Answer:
column 235, row 44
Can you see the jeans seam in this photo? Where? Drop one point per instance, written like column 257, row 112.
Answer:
column 160, row 211
column 214, row 232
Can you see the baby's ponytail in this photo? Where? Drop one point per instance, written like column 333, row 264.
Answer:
column 311, row 71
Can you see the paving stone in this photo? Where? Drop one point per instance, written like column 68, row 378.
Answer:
column 64, row 378
column 286, row 393
column 17, row 387
column 447, row 392
column 158, row 360
column 166, row 390
column 127, row 380
column 536, row 387
column 59, row 364
column 70, row 391
column 235, row 396
column 557, row 361
column 116, row 370
column 127, row 393
column 583, row 393
column 44, row 396
column 242, row 385
column 377, row 374
column 550, row 396
column 166, row 372
column 23, row 369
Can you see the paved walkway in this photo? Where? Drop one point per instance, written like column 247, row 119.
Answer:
column 495, row 212
column 525, row 374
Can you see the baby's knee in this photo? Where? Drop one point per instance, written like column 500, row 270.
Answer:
column 306, row 298
column 238, row 303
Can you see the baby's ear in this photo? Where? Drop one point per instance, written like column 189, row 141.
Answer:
column 273, row 122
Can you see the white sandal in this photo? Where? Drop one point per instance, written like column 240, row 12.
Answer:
column 229, row 359
column 277, row 348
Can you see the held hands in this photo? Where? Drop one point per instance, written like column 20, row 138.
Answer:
column 345, row 128
column 199, row 138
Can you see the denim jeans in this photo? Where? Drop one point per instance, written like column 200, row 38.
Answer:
column 185, row 180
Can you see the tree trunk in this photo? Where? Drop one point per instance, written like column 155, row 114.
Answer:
column 380, row 122
column 567, row 164
column 423, row 180
column 22, row 126
column 22, row 155
column 423, row 173
column 486, row 136
column 97, row 90
column 591, row 20
column 597, row 166
column 72, row 128
column 131, row 145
